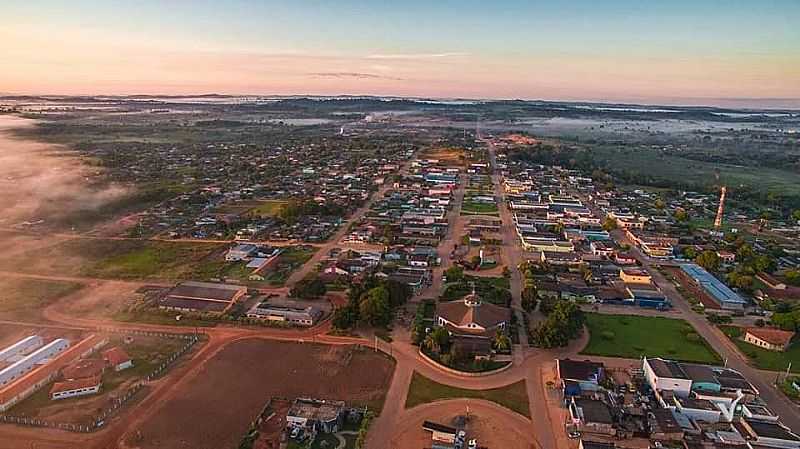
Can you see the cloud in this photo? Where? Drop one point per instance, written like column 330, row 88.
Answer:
column 356, row 75
column 416, row 55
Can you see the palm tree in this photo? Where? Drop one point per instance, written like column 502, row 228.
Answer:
column 502, row 342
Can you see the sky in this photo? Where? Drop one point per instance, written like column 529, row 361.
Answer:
column 668, row 52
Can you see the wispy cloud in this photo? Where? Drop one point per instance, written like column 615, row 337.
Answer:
column 356, row 75
column 416, row 55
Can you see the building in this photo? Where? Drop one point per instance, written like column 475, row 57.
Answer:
column 769, row 338
column 472, row 324
column 19, row 368
column 84, row 368
column 74, row 388
column 316, row 415
column 683, row 379
column 591, row 416
column 20, row 348
column 768, row 434
column 202, row 297
column 244, row 251
column 579, row 376
column 635, row 276
column 440, row 433
column 720, row 293
column 117, row 359
column 288, row 313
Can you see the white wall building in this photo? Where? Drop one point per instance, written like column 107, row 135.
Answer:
column 29, row 362
column 20, row 348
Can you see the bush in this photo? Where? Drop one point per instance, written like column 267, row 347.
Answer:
column 608, row 335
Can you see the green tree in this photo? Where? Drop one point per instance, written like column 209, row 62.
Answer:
column 793, row 277
column 374, row 306
column 708, row 259
column 796, row 215
column 345, row 317
column 681, row 215
column 502, row 342
column 564, row 323
column 609, row 224
column 689, row 252
column 308, row 289
column 659, row 204
column 437, row 340
column 454, row 274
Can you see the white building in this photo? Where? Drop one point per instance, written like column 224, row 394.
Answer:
column 20, row 348
column 29, row 362
column 73, row 388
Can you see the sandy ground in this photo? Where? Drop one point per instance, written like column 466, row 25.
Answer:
column 227, row 392
column 493, row 426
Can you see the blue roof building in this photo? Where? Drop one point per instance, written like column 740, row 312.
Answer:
column 719, row 292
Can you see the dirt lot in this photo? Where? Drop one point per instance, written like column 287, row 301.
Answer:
column 230, row 390
column 493, row 426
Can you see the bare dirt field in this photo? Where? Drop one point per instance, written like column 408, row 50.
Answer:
column 219, row 403
column 492, row 425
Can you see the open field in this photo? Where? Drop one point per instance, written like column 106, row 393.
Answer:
column 219, row 404
column 268, row 208
column 424, row 390
column 118, row 259
column 473, row 208
column 762, row 358
column 24, row 299
column 447, row 156
column 632, row 337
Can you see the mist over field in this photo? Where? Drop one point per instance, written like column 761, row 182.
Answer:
column 42, row 181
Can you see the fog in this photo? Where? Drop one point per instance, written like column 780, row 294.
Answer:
column 45, row 183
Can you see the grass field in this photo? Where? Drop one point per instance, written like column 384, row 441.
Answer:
column 471, row 208
column 632, row 337
column 160, row 260
column 424, row 390
column 269, row 208
column 24, row 299
column 762, row 358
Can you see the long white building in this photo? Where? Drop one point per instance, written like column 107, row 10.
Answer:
column 20, row 348
column 29, row 362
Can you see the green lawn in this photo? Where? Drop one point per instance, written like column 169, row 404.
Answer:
column 472, row 208
column 762, row 358
column 632, row 337
column 269, row 208
column 24, row 299
column 423, row 390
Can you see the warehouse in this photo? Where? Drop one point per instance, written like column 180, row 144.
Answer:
column 202, row 297
column 720, row 293
column 20, row 348
column 289, row 313
column 29, row 362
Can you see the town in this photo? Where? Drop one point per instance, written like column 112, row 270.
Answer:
column 380, row 281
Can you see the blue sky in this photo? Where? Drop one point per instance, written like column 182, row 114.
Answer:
column 576, row 49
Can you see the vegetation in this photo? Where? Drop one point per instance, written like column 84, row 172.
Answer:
column 763, row 358
column 625, row 336
column 372, row 302
column 24, row 299
column 423, row 390
column 308, row 289
column 564, row 322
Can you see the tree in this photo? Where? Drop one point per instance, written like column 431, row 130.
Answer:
column 796, row 215
column 454, row 274
column 689, row 252
column 306, row 289
column 739, row 280
column 793, row 277
column 374, row 306
column 564, row 323
column 764, row 262
column 708, row 259
column 502, row 342
column 609, row 224
column 399, row 292
column 345, row 317
column 659, row 204
column 437, row 340
column 681, row 215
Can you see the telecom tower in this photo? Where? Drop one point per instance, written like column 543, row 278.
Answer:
column 721, row 209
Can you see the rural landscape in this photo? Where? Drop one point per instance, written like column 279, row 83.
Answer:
column 283, row 224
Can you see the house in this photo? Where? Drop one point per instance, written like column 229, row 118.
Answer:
column 635, row 276
column 768, row 434
column 726, row 256
column 578, row 376
column 769, row 338
column 117, row 359
column 242, row 251
column 683, row 379
column 591, row 416
column 586, row 444
column 84, row 368
column 289, row 312
column 439, row 432
column 74, row 388
column 316, row 415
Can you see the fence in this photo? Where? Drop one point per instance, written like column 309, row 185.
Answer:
column 100, row 420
